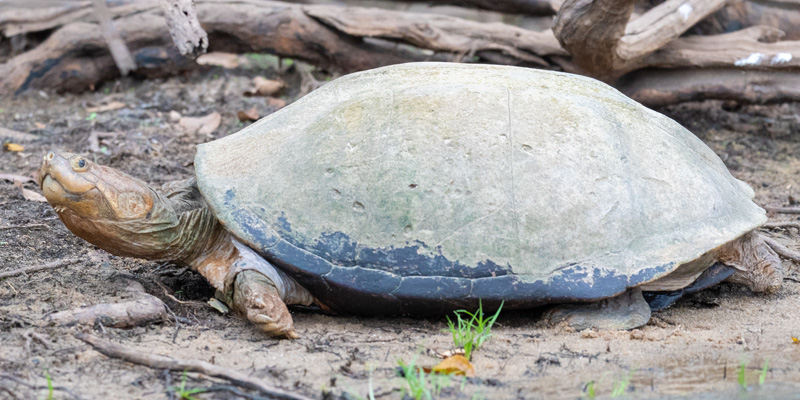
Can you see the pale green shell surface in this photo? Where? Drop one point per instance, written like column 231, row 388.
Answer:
column 556, row 183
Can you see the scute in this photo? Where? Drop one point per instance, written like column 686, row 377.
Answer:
column 474, row 173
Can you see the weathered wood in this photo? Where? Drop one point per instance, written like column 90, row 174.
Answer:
column 605, row 45
column 660, row 87
column 342, row 44
column 662, row 24
column 738, row 14
column 590, row 31
column 119, row 51
column 144, row 357
column 23, row 16
column 752, row 48
column 439, row 32
column 185, row 29
column 524, row 7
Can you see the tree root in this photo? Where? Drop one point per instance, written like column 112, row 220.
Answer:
column 782, row 250
column 141, row 357
column 36, row 268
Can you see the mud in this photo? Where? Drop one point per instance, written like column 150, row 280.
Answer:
column 694, row 347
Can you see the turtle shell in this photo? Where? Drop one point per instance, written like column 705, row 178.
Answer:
column 423, row 187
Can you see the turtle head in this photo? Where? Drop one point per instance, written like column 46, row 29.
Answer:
column 79, row 188
column 104, row 206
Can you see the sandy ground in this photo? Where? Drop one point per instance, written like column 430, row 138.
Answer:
column 694, row 348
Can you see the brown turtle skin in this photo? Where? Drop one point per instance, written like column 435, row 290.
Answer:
column 126, row 217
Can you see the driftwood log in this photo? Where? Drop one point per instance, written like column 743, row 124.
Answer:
column 598, row 38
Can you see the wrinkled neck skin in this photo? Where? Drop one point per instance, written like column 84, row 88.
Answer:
column 181, row 229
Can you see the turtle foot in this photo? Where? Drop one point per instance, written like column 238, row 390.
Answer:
column 256, row 297
column 626, row 311
column 758, row 266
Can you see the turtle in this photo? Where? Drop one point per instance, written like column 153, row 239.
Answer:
column 421, row 188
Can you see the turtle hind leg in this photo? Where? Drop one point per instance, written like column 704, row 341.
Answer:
column 627, row 310
column 757, row 265
column 256, row 297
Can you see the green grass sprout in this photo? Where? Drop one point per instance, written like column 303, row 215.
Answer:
column 186, row 394
column 763, row 376
column 49, row 384
column 620, row 387
column 741, row 378
column 590, row 389
column 421, row 384
column 471, row 330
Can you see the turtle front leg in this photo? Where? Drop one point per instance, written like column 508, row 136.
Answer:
column 627, row 310
column 260, row 292
column 256, row 297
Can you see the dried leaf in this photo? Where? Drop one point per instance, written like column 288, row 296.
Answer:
column 202, row 125
column 456, row 365
column 114, row 105
column 276, row 102
column 39, row 125
column 224, row 60
column 218, row 305
column 16, row 178
column 795, row 340
column 13, row 147
column 265, row 87
column 30, row 195
column 16, row 136
column 248, row 115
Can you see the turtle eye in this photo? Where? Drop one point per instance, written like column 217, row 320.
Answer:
column 79, row 164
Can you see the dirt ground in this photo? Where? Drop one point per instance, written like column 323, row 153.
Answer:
column 694, row 348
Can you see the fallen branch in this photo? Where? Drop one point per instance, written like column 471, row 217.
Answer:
column 28, row 226
column 782, row 250
column 440, row 33
column 141, row 357
column 661, row 87
column 143, row 311
column 119, row 51
column 783, row 210
column 337, row 39
column 38, row 387
column 185, row 29
column 525, row 7
column 605, row 45
column 781, row 225
column 37, row 268
column 753, row 48
column 16, row 178
column 16, row 136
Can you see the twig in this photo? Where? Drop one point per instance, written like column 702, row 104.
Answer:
column 24, row 226
column 783, row 210
column 778, row 225
column 119, row 51
column 14, row 177
column 37, row 387
column 168, row 385
column 234, row 391
column 177, row 323
column 36, row 268
column 782, row 250
column 183, row 302
column 141, row 357
column 789, row 278
column 142, row 311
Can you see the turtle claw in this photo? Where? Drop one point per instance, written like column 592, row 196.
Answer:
column 256, row 297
